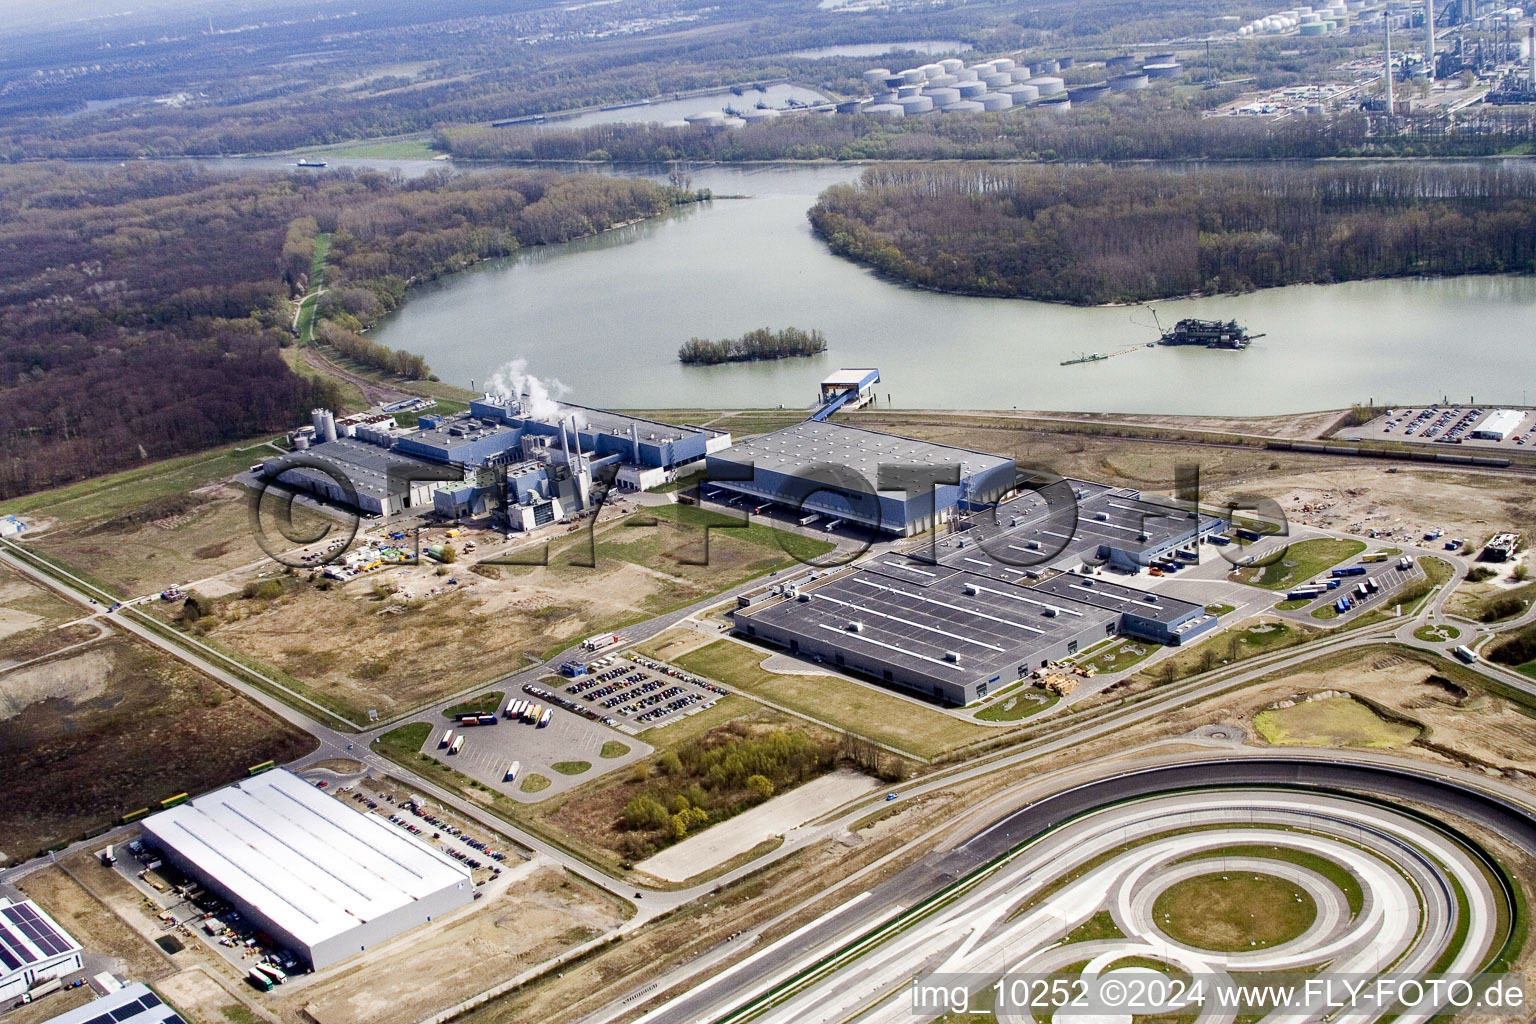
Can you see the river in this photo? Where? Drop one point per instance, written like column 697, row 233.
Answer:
column 605, row 316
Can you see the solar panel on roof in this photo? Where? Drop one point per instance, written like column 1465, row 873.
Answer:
column 105, row 1018
column 122, row 1013
column 7, row 957
column 36, row 929
column 149, row 999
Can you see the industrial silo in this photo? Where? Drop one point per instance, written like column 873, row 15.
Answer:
column 1047, row 67
column 1048, row 85
column 996, row 101
column 1128, row 83
column 874, row 76
column 328, row 425
column 971, row 90
column 943, row 96
column 916, row 104
column 964, row 107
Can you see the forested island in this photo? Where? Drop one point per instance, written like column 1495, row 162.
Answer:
column 144, row 308
column 1095, row 234
column 763, row 343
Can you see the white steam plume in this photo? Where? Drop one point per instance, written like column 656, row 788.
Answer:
column 539, row 397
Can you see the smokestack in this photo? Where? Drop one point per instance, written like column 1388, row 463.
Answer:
column 1530, row 50
column 634, row 443
column 564, row 444
column 1387, row 20
column 1429, row 39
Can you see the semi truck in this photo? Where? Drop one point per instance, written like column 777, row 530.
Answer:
column 510, row 775
column 259, row 981
column 446, row 741
column 108, row 858
column 272, row 972
column 1349, row 570
column 544, row 719
column 458, row 745
column 1464, row 654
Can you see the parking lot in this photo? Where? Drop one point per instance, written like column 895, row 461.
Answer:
column 1364, row 592
column 1443, row 425
column 489, row 751
column 636, row 691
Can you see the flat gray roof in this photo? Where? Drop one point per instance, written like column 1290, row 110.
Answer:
column 808, row 444
column 366, row 465
column 470, row 428
column 313, row 865
column 131, row 1004
column 603, row 421
column 992, row 626
column 1096, row 590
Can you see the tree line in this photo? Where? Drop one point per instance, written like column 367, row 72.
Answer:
column 717, row 775
column 1139, row 126
column 144, row 308
column 762, row 343
column 1095, row 234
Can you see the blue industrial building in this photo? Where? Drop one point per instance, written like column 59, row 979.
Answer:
column 880, row 481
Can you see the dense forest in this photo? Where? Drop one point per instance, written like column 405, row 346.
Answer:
column 143, row 308
column 1143, row 126
column 762, row 343
column 1094, row 234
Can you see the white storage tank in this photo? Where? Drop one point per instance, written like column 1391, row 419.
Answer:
column 912, row 76
column 1047, row 67
column 931, row 71
column 1173, row 70
column 995, row 79
column 1021, row 93
column 849, row 107
column 965, row 75
column 996, row 101
column 943, row 80
column 757, row 114
column 885, row 97
column 916, row 104
column 894, row 82
column 964, row 107
column 874, row 76
column 1128, row 83
column 943, row 97
column 1048, row 85
column 908, row 90
column 884, row 110
column 971, row 90
column 1055, row 104
column 951, row 65
column 1003, row 64
column 707, row 118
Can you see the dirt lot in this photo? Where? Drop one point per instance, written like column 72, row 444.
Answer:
column 30, row 620
column 396, row 638
column 92, row 916
column 95, row 733
column 536, row 917
column 172, row 539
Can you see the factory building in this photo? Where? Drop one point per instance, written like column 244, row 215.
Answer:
column 953, row 636
column 320, row 878
column 380, row 479
column 1498, row 425
column 883, row 482
column 131, row 1004
column 33, row 948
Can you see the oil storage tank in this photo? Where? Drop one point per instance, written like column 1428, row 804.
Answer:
column 1088, row 93
column 943, row 97
column 884, row 110
column 971, row 90
column 1167, row 70
column 1021, row 93
column 1128, row 83
column 964, row 107
column 996, row 101
column 874, row 76
column 1049, row 85
column 916, row 104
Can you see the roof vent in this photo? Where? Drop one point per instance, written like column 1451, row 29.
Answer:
column 1049, row 612
column 1102, row 517
column 855, row 627
column 952, row 656
column 970, row 589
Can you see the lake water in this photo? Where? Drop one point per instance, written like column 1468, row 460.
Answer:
column 926, row 47
column 605, row 315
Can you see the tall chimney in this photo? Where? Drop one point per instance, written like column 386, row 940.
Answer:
column 1387, row 20
column 1530, row 50
column 1429, row 39
column 634, row 443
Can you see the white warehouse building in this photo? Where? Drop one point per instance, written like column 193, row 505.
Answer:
column 1498, row 425
column 33, row 948
column 319, row 877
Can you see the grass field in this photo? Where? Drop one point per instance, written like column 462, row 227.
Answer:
column 1228, row 647
column 1436, row 634
column 1018, row 706
column 1235, row 911
column 572, row 767
column 853, row 707
column 1332, row 722
column 1120, row 655
column 405, row 149
column 533, row 782
column 613, row 748
column 485, row 704
column 1220, row 609
column 1346, row 883
column 1488, row 602
column 1303, row 560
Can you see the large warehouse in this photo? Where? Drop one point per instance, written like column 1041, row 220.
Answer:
column 954, row 636
column 881, row 481
column 33, row 948
column 322, row 879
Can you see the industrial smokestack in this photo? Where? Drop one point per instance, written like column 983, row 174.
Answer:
column 1530, row 50
column 1429, row 39
column 1387, row 20
column 634, row 444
